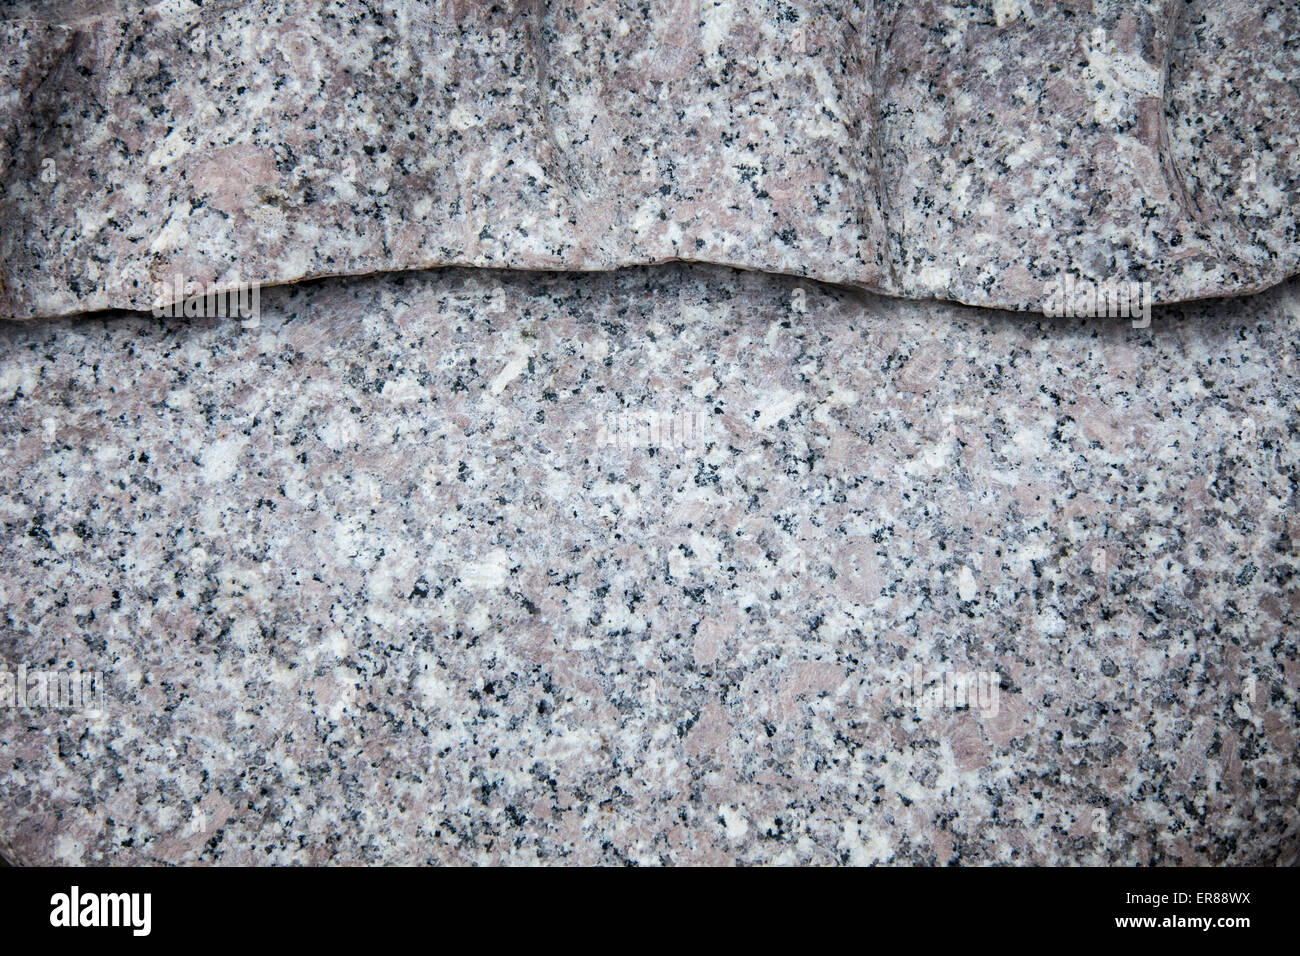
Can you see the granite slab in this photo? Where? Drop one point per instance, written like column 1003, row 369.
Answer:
column 669, row 565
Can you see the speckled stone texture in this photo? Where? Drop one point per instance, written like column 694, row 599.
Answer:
column 966, row 151
column 386, row 579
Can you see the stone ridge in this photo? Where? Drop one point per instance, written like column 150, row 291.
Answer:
column 973, row 152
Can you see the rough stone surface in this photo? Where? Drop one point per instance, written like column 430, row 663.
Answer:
column 480, row 567
column 966, row 151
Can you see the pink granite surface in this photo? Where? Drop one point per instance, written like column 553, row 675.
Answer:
column 741, row 540
column 639, row 567
column 964, row 151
